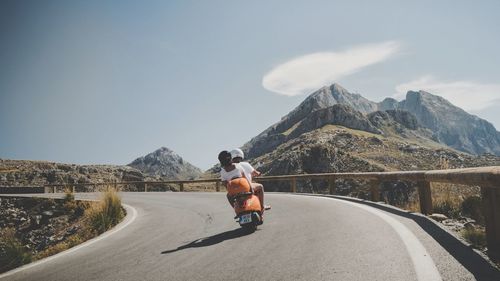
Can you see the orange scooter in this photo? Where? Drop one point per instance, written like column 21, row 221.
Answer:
column 245, row 203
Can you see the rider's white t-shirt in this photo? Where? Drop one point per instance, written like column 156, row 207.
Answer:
column 235, row 173
column 248, row 170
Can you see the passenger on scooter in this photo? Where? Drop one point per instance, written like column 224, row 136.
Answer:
column 237, row 157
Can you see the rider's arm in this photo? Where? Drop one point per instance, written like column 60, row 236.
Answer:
column 254, row 172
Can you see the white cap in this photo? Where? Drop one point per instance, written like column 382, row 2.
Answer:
column 237, row 153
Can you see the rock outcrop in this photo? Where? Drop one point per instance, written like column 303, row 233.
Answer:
column 451, row 125
column 38, row 173
column 40, row 222
column 337, row 114
column 166, row 164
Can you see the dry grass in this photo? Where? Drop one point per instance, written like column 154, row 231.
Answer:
column 452, row 200
column 354, row 132
column 8, row 170
column 71, row 241
column 203, row 187
column 448, row 198
column 476, row 237
column 291, row 129
column 12, row 252
column 412, row 206
column 68, row 194
column 105, row 214
column 97, row 218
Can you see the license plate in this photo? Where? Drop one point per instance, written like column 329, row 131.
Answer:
column 246, row 218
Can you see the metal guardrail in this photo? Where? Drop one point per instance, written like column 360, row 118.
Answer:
column 488, row 178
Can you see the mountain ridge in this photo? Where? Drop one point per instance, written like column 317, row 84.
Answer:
column 451, row 125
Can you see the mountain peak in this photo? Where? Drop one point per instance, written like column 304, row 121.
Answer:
column 164, row 162
column 337, row 88
column 451, row 125
column 164, row 150
column 423, row 98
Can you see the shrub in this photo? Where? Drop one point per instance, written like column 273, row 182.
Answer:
column 98, row 217
column 476, row 237
column 106, row 213
column 448, row 208
column 52, row 250
column 471, row 207
column 12, row 252
column 68, row 195
column 70, row 242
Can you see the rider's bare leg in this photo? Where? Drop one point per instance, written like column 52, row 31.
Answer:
column 259, row 191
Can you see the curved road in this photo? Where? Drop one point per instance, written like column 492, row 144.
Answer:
column 192, row 236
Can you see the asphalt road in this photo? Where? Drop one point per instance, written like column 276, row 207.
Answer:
column 192, row 236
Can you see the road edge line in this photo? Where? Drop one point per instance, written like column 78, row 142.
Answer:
column 423, row 264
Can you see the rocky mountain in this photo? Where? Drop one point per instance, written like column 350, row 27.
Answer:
column 166, row 164
column 322, row 99
column 449, row 124
column 334, row 148
column 161, row 164
column 39, row 173
column 333, row 130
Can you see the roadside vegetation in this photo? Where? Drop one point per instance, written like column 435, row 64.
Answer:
column 91, row 219
column 12, row 252
column 476, row 237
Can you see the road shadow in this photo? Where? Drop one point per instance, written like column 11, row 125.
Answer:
column 465, row 255
column 212, row 240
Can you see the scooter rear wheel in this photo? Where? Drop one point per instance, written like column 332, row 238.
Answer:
column 249, row 227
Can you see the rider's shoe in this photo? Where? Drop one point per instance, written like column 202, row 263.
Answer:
column 267, row 207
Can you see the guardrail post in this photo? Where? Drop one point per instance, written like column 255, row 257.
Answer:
column 424, row 194
column 55, row 189
column 374, row 190
column 294, row 185
column 331, row 185
column 145, row 187
column 181, row 186
column 491, row 210
column 217, row 186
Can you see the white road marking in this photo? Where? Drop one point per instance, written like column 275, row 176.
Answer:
column 128, row 220
column 423, row 264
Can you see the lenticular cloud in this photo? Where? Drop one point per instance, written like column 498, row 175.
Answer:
column 307, row 73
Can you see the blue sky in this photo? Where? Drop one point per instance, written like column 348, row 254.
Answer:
column 107, row 81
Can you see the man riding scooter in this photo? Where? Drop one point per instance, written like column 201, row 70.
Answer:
column 250, row 172
column 240, row 194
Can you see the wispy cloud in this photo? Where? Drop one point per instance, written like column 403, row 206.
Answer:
column 465, row 94
column 310, row 72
